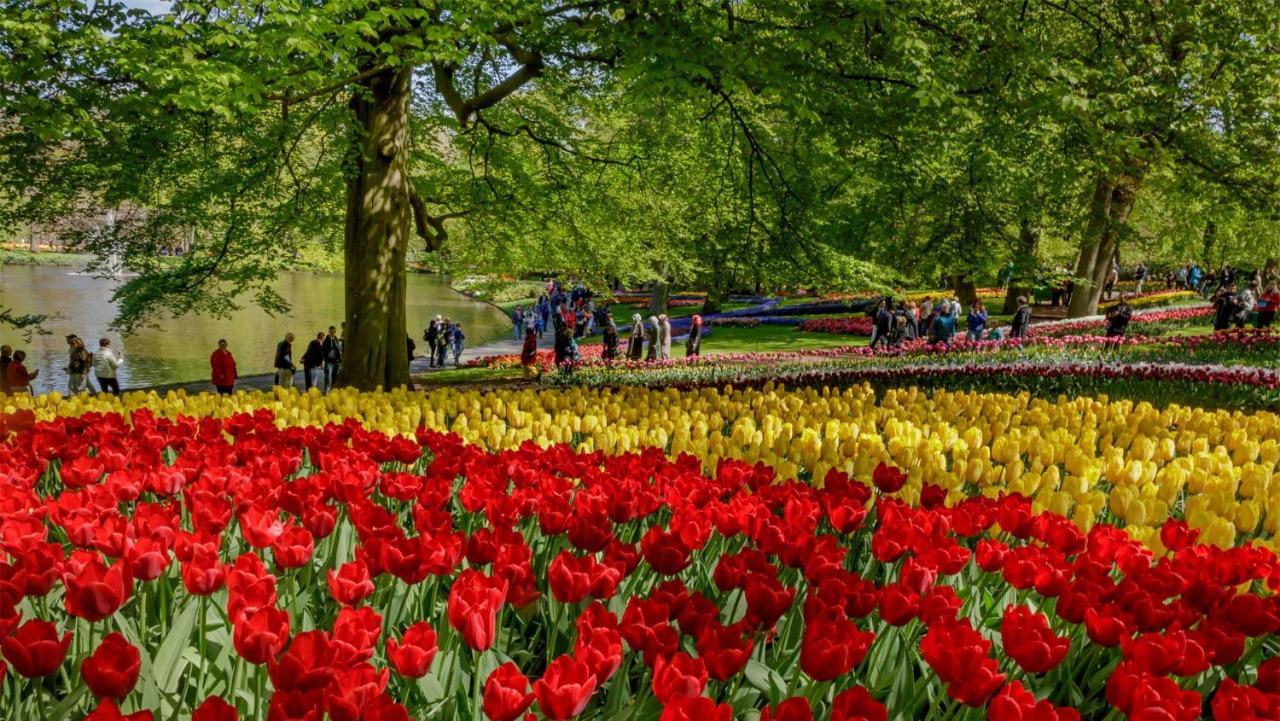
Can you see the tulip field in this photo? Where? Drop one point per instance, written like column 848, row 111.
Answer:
column 633, row 553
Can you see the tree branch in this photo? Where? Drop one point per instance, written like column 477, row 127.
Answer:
column 531, row 64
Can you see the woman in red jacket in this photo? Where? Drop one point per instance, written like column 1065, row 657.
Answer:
column 223, row 365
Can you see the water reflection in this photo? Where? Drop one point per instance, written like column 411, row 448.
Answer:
column 178, row 350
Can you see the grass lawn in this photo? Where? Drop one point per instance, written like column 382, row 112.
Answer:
column 470, row 375
column 769, row 338
column 26, row 257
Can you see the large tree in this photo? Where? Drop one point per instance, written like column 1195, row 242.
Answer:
column 250, row 126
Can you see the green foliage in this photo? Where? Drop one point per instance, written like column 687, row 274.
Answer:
column 739, row 146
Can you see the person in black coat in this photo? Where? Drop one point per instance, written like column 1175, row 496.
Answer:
column 312, row 360
column 1021, row 319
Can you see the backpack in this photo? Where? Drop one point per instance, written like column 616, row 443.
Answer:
column 79, row 361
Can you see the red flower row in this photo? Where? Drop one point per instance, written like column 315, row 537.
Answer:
column 582, row 569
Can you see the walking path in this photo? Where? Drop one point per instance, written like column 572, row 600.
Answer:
column 506, row 345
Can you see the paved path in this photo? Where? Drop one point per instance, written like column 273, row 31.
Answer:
column 506, row 345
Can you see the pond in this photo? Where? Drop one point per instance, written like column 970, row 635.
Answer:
column 178, row 349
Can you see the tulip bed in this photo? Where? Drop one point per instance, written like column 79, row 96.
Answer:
column 247, row 568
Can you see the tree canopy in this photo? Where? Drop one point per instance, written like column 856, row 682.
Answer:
column 737, row 145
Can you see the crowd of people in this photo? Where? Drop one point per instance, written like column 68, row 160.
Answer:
column 894, row 323
column 82, row 366
column 442, row 336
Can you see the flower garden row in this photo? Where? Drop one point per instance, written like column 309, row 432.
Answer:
column 236, row 569
column 1087, row 458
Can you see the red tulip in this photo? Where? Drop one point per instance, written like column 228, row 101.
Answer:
column 355, row 635
column 564, row 689
column 724, row 650
column 262, row 635
column 351, row 584
column 1269, row 675
column 35, row 650
column 665, row 552
column 215, row 709
column 791, row 709
column 108, row 711
column 506, row 693
column 1016, row 703
column 94, row 589
column 678, row 675
column 856, row 704
column 353, row 690
column 1030, row 642
column 293, row 548
column 695, row 708
column 203, row 573
column 474, row 602
column 569, row 577
column 601, row 650
column 307, row 665
column 260, row 527
column 832, row 647
column 888, row 479
column 112, row 670
column 411, row 656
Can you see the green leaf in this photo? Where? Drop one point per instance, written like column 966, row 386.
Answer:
column 167, row 663
column 766, row 680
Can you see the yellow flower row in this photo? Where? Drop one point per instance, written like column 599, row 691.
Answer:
column 1088, row 458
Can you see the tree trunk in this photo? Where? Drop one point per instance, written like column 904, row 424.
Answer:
column 1210, row 238
column 376, row 239
column 966, row 292
column 31, row 238
column 1022, row 284
column 661, row 295
column 1108, row 213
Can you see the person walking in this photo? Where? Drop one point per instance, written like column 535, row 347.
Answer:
column 1021, row 319
column 312, row 362
column 943, row 329
column 531, row 324
column 976, row 322
column 1246, row 299
column 6, row 357
column 459, row 338
column 651, row 337
column 664, row 337
column 1118, row 318
column 444, row 334
column 17, row 376
column 332, row 349
column 105, row 363
column 432, row 335
column 529, row 354
column 1268, row 303
column 1140, row 275
column 284, row 362
column 79, row 362
column 562, row 336
column 610, row 338
column 881, row 324
column 517, row 321
column 1224, row 306
column 222, row 369
column 635, row 344
column 693, row 344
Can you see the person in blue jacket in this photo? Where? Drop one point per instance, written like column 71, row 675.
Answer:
column 977, row 321
column 943, row 328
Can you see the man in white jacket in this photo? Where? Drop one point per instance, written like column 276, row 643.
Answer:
column 105, row 363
